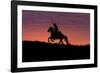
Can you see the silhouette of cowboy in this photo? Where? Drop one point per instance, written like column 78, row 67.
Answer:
column 56, row 29
column 56, row 34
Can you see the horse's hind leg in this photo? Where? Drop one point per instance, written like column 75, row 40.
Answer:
column 66, row 39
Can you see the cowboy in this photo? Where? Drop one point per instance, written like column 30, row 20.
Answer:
column 56, row 29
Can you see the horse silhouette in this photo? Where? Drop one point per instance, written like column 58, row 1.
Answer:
column 57, row 36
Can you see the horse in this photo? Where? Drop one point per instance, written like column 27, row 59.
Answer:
column 57, row 36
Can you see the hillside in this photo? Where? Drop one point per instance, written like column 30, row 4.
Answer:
column 42, row 51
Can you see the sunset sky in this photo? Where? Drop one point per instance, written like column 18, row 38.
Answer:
column 76, row 26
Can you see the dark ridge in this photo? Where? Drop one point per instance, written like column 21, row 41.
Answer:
column 43, row 51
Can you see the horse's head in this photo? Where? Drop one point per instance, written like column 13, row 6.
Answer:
column 50, row 29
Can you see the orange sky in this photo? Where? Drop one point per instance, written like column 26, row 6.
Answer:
column 76, row 26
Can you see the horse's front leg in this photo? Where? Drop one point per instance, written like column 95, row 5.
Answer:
column 60, row 41
column 52, row 40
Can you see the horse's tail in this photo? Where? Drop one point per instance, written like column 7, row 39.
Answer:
column 66, row 40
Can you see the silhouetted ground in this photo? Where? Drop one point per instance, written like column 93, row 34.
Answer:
column 41, row 51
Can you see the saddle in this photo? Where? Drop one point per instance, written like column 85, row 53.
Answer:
column 57, row 34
